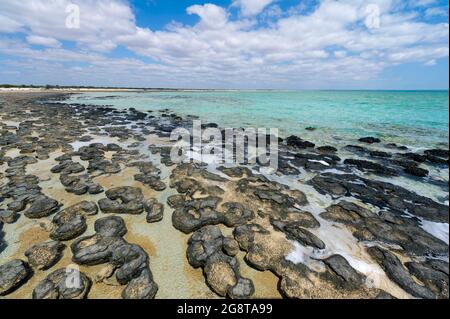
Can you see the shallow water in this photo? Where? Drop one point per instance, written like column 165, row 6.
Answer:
column 414, row 118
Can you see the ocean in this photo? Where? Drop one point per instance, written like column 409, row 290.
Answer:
column 418, row 119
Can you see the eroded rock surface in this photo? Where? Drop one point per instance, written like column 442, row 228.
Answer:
column 130, row 262
column 206, row 250
column 13, row 274
column 64, row 283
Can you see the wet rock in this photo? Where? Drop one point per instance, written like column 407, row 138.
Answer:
column 150, row 175
column 7, row 216
column 42, row 207
column 437, row 160
column 385, row 227
column 380, row 194
column 371, row 167
column 2, row 235
column 346, row 275
column 230, row 246
column 347, row 213
column 236, row 214
column 130, row 262
column 295, row 217
column 280, row 198
column 398, row 273
column 327, row 149
column 187, row 186
column 416, row 171
column 395, row 146
column 123, row 200
column 438, row 153
column 155, row 211
column 206, row 250
column 315, row 162
column 80, row 184
column 297, row 142
column 176, row 201
column 44, row 255
column 268, row 251
column 141, row 287
column 64, row 283
column 413, row 156
column 303, row 236
column 370, row 140
column 196, row 214
column 68, row 167
column 13, row 274
column 235, row 172
column 380, row 154
column 434, row 274
column 103, row 165
column 71, row 222
column 383, row 295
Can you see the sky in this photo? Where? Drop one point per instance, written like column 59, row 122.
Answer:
column 226, row 44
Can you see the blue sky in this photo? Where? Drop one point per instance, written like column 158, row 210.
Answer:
column 243, row 44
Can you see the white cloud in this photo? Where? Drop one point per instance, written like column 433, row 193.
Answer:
column 101, row 21
column 437, row 11
column 212, row 16
column 44, row 41
column 330, row 44
column 251, row 7
column 8, row 25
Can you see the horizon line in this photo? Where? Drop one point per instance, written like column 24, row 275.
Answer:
column 56, row 86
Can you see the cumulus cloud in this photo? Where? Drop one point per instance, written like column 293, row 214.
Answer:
column 331, row 43
column 101, row 21
column 212, row 16
column 251, row 7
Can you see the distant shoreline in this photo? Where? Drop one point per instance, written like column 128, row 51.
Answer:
column 75, row 89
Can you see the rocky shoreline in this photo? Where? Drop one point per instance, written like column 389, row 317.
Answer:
column 94, row 187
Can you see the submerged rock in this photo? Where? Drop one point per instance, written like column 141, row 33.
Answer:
column 297, row 142
column 371, row 167
column 13, row 274
column 370, row 140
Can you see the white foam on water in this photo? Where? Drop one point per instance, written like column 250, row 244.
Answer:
column 321, row 162
column 438, row 230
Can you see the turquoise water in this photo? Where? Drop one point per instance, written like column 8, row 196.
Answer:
column 414, row 118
